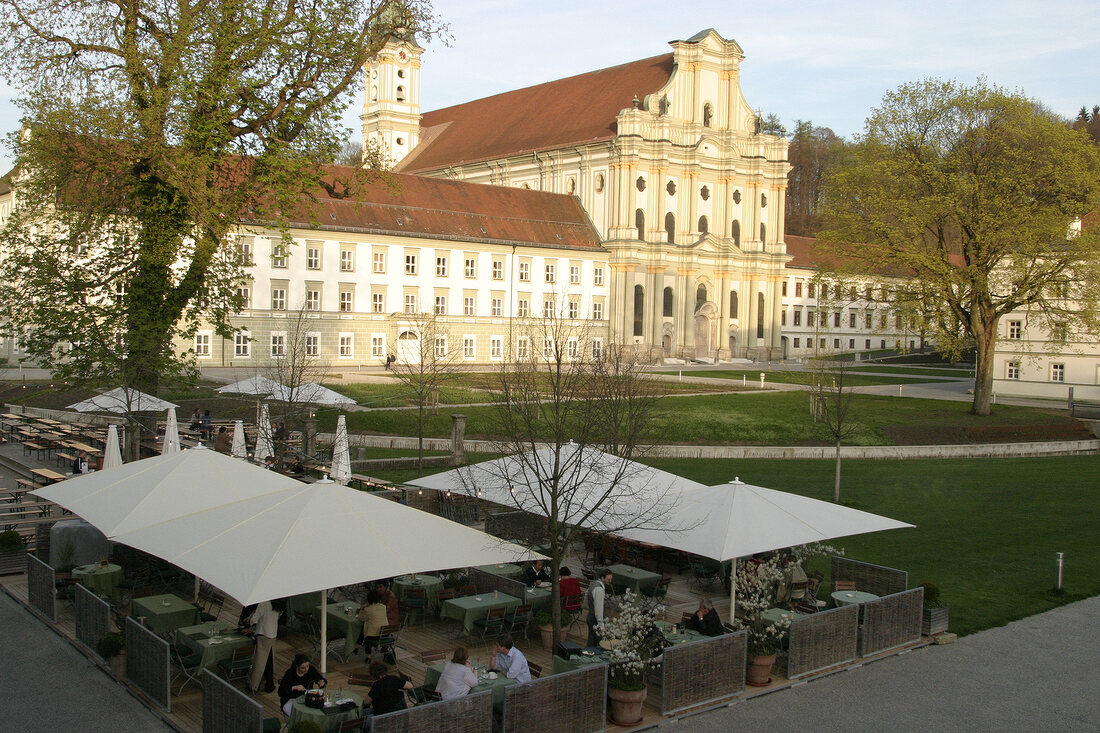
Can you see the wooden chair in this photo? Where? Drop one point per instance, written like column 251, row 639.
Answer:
column 493, row 623
column 519, row 619
column 360, row 680
column 387, row 643
column 415, row 604
column 845, row 585
column 352, row 725
column 797, row 592
column 237, row 665
column 431, row 656
column 185, row 666
column 468, row 590
column 536, row 670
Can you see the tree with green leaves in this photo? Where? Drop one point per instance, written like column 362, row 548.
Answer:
column 150, row 131
column 812, row 150
column 972, row 190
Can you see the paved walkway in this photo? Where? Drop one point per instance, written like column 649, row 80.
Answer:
column 1037, row 674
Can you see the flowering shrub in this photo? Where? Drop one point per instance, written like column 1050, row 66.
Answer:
column 634, row 644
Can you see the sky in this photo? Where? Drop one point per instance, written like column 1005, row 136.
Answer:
column 825, row 61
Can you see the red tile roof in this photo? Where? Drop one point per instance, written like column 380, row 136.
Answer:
column 442, row 209
column 576, row 110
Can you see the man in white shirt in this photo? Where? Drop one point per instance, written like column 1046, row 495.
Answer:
column 265, row 625
column 511, row 661
column 594, row 599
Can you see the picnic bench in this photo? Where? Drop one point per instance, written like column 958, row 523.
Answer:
column 29, row 446
column 48, row 475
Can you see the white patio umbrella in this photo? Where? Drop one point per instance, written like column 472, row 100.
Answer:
column 264, row 446
column 318, row 394
column 171, row 433
column 112, row 455
column 121, row 400
column 311, row 538
column 341, row 458
column 238, row 449
column 258, row 385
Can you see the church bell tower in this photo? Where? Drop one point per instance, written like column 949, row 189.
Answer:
column 391, row 99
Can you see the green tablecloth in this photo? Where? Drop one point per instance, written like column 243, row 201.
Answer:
column 504, row 570
column 634, row 578
column 434, row 672
column 680, row 636
column 164, row 613
column 468, row 608
column 341, row 623
column 304, row 603
column 327, row 721
column 198, row 638
column 852, row 597
column 773, row 615
column 103, row 581
column 576, row 661
column 539, row 598
column 430, row 584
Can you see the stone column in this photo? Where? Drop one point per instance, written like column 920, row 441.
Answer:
column 722, row 301
column 458, row 435
column 309, row 437
column 657, row 316
column 687, row 333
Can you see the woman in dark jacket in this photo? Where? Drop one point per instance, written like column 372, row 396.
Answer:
column 300, row 677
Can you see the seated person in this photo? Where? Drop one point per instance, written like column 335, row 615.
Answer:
column 387, row 694
column 535, row 574
column 567, row 584
column 296, row 465
column 300, row 677
column 374, row 617
column 705, row 620
column 458, row 678
column 792, row 573
column 510, row 661
column 224, row 442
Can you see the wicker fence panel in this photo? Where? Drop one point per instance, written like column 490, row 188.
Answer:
column 523, row 526
column 891, row 621
column 821, row 640
column 93, row 616
column 425, row 501
column 225, row 709
column 147, row 663
column 41, row 588
column 42, row 539
column 573, row 701
column 470, row 714
column 702, row 671
column 881, row 581
column 488, row 582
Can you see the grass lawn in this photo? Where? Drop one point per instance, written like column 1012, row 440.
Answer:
column 987, row 529
column 806, row 377
column 961, row 372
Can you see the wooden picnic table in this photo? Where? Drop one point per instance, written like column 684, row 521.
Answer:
column 48, row 475
column 82, row 446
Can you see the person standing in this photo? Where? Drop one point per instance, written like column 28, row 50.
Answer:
column 594, row 601
column 206, row 425
column 387, row 597
column 80, row 463
column 265, row 625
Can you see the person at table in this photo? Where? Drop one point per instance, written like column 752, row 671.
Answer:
column 510, row 661
column 390, row 600
column 568, row 586
column 458, row 677
column 300, row 677
column 80, row 463
column 387, row 694
column 196, row 419
column 265, row 628
column 535, row 574
column 224, row 441
column 206, row 425
column 792, row 573
column 374, row 616
column 594, row 602
column 705, row 620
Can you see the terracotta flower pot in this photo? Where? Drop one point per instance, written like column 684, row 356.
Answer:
column 547, row 633
column 759, row 672
column 626, row 705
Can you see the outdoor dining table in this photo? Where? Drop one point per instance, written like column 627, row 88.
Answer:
column 852, row 597
column 469, row 608
column 102, row 580
column 680, row 635
column 774, row 615
column 498, row 685
column 634, row 578
column 342, row 622
column 576, row 661
column 430, row 584
column 331, row 716
column 504, row 570
column 538, row 598
column 215, row 640
column 164, row 613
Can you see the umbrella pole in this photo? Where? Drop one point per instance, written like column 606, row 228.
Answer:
column 324, row 631
column 733, row 588
column 196, row 599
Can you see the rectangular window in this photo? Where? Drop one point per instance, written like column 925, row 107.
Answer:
column 377, row 302
column 521, row 347
column 470, row 267
column 278, row 299
column 783, row 318
column 313, row 258
column 809, row 290
column 851, row 320
column 468, row 306
column 1015, row 329
column 572, row 348
column 574, row 309
column 440, row 305
column 245, row 294
column 440, row 347
column 496, row 345
column 347, row 301
column 313, row 300
column 809, row 318
column 278, row 255
column 410, row 303
column 548, row 308
column 242, row 345
column 1012, row 370
column 468, row 347
column 1057, row 372
column 548, row 348
column 378, row 345
column 347, row 260
column 798, row 318
column 551, row 272
column 882, row 322
column 836, row 343
column 202, row 344
column 851, row 343
column 496, row 307
column 796, row 341
column 867, row 320
column 597, row 349
column 824, row 292
column 313, row 344
column 574, row 274
column 597, row 276
column 410, row 264
column 524, row 271
column 244, row 250
column 441, row 267
column 836, row 319
column 498, row 269
column 522, row 308
column 378, row 263
column 278, row 345
column 867, row 344
column 798, row 289
column 784, row 288
column 823, row 343
column 347, row 345
column 867, row 294
column 597, row 311
column 897, row 321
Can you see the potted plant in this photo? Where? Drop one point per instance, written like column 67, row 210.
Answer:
column 13, row 554
column 756, row 584
column 110, row 646
column 934, row 615
column 632, row 651
column 545, row 621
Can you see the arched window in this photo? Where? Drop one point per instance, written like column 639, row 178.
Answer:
column 639, row 222
column 400, row 94
column 735, row 232
column 733, row 304
column 668, row 302
column 763, row 233
column 639, row 309
column 759, row 315
column 670, row 227
column 707, row 114
column 703, row 225
column 700, row 295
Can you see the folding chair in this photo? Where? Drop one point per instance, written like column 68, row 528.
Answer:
column 185, row 667
column 493, row 623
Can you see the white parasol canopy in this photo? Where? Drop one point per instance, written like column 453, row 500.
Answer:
column 258, row 385
column 122, row 400
column 112, row 455
column 341, row 458
column 311, row 392
column 318, row 394
column 171, row 433
column 239, row 449
column 264, row 446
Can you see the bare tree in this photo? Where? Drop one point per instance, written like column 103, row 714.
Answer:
column 832, row 403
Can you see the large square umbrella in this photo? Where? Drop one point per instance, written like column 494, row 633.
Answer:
column 340, row 471
column 122, row 400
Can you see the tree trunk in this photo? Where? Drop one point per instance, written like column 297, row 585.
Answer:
column 985, row 343
column 836, row 484
column 420, row 440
